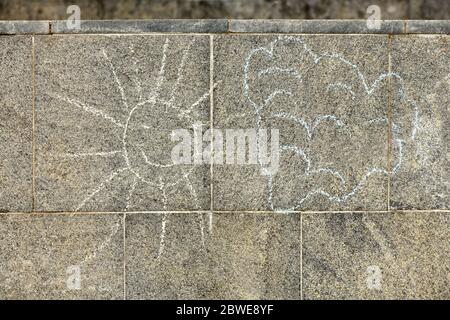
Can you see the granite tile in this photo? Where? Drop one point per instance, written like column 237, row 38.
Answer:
column 105, row 110
column 16, row 114
column 142, row 26
column 421, row 122
column 330, row 105
column 376, row 256
column 61, row 256
column 212, row 256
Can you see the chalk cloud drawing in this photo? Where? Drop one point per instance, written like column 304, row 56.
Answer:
column 287, row 72
column 142, row 159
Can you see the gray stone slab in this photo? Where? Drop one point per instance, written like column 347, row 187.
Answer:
column 24, row 27
column 421, row 113
column 353, row 26
column 61, row 256
column 105, row 110
column 376, row 256
column 329, row 103
column 143, row 26
column 220, row 256
column 428, row 26
column 16, row 113
column 316, row 26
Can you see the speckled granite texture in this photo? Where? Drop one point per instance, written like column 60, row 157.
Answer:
column 93, row 208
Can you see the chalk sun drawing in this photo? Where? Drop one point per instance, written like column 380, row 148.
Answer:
column 141, row 162
column 266, row 108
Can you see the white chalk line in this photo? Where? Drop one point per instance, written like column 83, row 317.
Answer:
column 342, row 86
column 152, row 99
column 310, row 128
column 136, row 79
column 154, row 164
column 162, row 237
column 180, row 70
column 89, row 154
column 104, row 244
column 116, row 79
column 130, row 193
column 197, row 206
column 277, row 70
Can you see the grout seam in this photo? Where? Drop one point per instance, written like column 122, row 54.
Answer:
column 301, row 256
column 33, row 126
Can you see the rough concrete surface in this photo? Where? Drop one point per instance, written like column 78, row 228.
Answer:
column 41, row 254
column 213, row 256
column 16, row 113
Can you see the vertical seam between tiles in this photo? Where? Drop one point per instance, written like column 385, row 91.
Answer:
column 33, row 131
column 301, row 256
column 211, row 117
column 124, row 258
column 390, row 126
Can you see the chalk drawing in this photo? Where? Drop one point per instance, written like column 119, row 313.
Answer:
column 140, row 170
column 276, row 112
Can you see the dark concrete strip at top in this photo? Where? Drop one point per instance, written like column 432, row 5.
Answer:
column 228, row 26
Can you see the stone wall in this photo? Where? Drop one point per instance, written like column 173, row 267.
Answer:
column 92, row 206
column 214, row 9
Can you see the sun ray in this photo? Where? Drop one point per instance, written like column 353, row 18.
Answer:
column 116, row 78
column 103, row 245
column 197, row 206
column 89, row 109
column 89, row 154
column 180, row 70
column 210, row 222
column 100, row 187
